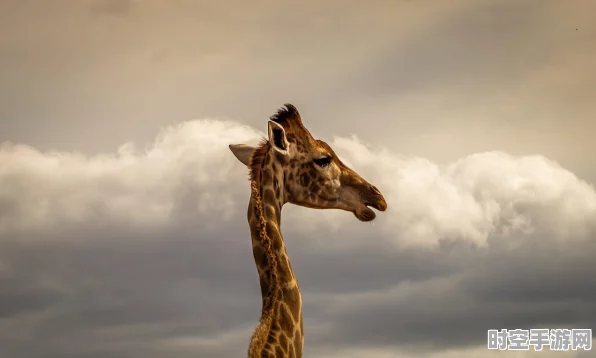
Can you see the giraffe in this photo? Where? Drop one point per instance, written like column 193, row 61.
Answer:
column 292, row 167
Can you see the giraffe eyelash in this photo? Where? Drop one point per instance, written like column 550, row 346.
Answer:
column 323, row 161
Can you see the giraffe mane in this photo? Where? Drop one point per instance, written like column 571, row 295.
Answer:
column 256, row 160
column 266, row 319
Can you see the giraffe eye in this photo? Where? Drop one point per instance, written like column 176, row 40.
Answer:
column 323, row 161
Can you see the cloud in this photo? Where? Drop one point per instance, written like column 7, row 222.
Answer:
column 144, row 188
column 146, row 251
column 482, row 197
column 111, row 7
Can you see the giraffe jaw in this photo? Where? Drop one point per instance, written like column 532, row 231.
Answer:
column 365, row 214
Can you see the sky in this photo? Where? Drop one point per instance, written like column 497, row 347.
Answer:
column 123, row 226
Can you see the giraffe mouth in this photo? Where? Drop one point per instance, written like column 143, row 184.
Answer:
column 365, row 213
column 379, row 205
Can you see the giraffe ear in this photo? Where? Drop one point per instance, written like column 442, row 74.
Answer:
column 277, row 138
column 243, row 152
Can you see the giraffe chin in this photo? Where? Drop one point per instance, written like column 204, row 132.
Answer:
column 364, row 213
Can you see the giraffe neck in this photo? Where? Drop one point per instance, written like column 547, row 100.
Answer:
column 280, row 329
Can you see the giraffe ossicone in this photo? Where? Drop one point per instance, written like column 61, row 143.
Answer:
column 292, row 167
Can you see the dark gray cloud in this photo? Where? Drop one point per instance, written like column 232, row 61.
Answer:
column 147, row 252
column 494, row 289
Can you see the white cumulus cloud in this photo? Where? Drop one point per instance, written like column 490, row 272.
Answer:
column 480, row 197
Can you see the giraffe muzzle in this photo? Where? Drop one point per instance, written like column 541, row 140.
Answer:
column 378, row 201
column 372, row 199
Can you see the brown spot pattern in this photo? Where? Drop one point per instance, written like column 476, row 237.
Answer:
column 286, row 321
column 293, row 300
column 298, row 343
column 305, row 179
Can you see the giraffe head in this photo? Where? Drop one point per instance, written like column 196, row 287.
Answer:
column 313, row 175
